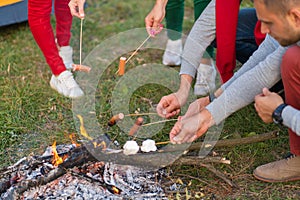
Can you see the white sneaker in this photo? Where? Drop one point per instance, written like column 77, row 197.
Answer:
column 172, row 54
column 66, row 85
column 205, row 81
column 66, row 53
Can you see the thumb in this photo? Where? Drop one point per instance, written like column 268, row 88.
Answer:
column 266, row 92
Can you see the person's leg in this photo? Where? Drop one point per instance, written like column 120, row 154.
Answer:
column 245, row 39
column 287, row 169
column 63, row 31
column 226, row 23
column 291, row 81
column 174, row 20
column 63, row 22
column 39, row 13
column 206, row 73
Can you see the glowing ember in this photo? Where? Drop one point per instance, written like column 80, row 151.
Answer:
column 115, row 190
column 56, row 160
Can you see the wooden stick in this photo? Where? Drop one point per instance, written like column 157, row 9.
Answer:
column 160, row 143
column 139, row 114
column 162, row 121
column 138, row 48
column 240, row 141
column 80, row 41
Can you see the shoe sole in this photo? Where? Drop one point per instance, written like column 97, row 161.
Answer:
column 275, row 181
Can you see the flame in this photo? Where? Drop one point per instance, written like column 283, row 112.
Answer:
column 82, row 129
column 73, row 139
column 56, row 160
column 103, row 144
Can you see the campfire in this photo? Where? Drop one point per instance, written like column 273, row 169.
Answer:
column 66, row 171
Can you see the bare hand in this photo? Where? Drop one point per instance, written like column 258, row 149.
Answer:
column 170, row 105
column 196, row 106
column 190, row 128
column 266, row 103
column 77, row 8
column 154, row 18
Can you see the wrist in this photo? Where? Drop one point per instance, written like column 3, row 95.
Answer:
column 211, row 97
column 277, row 114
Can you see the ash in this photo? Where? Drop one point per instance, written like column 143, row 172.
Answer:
column 91, row 180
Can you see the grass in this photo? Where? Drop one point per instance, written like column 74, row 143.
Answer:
column 33, row 115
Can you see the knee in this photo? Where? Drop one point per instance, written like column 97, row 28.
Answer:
column 290, row 64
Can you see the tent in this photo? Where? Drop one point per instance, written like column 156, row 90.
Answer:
column 13, row 11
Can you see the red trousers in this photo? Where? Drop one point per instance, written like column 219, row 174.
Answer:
column 226, row 23
column 39, row 14
column 290, row 73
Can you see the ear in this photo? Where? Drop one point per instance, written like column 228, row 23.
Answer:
column 295, row 16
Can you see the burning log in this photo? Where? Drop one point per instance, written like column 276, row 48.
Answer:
column 138, row 123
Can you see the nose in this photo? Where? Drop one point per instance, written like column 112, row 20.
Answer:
column 264, row 28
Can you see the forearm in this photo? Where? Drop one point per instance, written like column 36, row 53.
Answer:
column 161, row 3
column 244, row 88
column 200, row 37
column 291, row 119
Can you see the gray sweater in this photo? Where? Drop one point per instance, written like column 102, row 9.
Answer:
column 261, row 70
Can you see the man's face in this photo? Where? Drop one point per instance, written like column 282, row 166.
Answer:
column 281, row 27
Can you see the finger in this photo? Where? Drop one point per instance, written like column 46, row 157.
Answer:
column 160, row 110
column 81, row 9
column 266, row 92
column 175, row 130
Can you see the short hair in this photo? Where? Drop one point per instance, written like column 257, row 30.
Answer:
column 282, row 6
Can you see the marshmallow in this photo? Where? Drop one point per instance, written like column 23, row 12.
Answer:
column 131, row 147
column 148, row 145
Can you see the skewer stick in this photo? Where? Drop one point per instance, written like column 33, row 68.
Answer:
column 165, row 142
column 162, row 121
column 138, row 48
column 80, row 41
column 139, row 114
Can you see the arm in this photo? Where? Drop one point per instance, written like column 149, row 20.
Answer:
column 200, row 37
column 154, row 18
column 268, row 46
column 238, row 94
column 291, row 119
column 244, row 88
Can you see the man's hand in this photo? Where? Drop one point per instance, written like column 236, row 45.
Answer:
column 188, row 129
column 77, row 8
column 266, row 103
column 170, row 105
column 196, row 106
column 155, row 17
